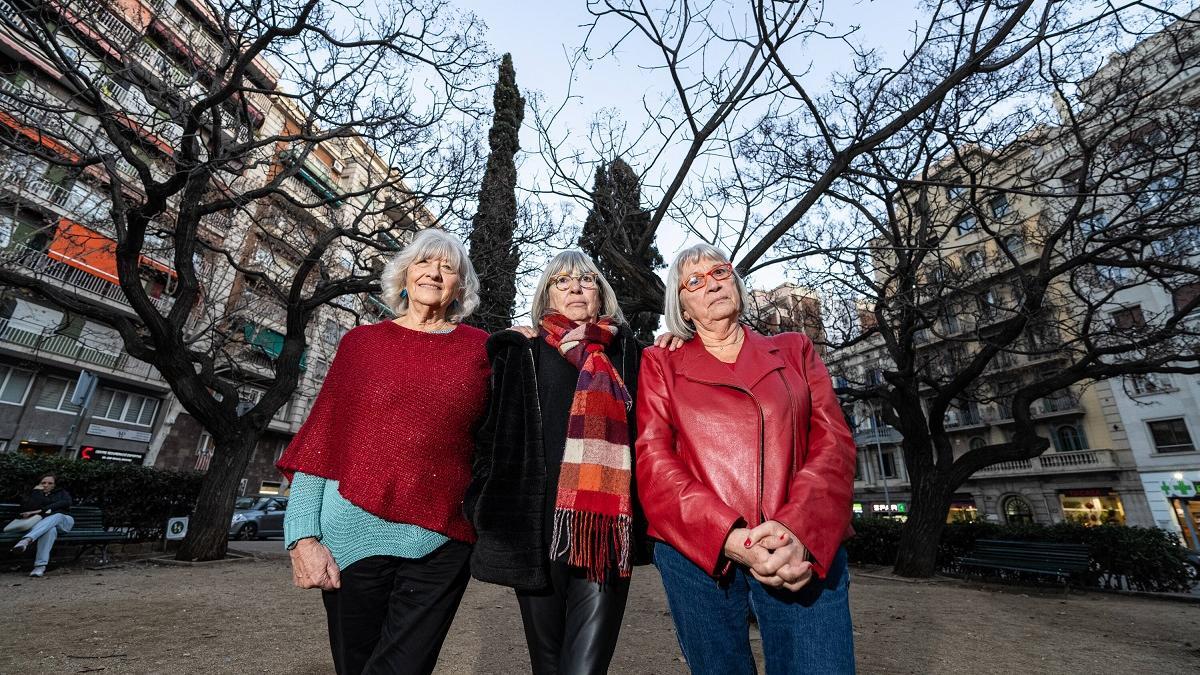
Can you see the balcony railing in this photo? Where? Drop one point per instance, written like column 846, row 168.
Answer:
column 44, row 266
column 882, row 435
column 72, row 348
column 162, row 66
column 1056, row 405
column 194, row 36
column 1055, row 462
column 38, row 108
column 93, row 13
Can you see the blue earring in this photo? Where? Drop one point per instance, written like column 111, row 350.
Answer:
column 404, row 294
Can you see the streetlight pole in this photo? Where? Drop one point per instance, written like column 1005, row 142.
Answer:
column 879, row 450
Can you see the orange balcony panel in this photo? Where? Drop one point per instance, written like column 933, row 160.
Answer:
column 92, row 252
column 85, row 249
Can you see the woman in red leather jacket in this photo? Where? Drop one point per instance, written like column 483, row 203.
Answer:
column 745, row 471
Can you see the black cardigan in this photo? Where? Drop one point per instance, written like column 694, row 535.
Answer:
column 512, row 494
column 57, row 500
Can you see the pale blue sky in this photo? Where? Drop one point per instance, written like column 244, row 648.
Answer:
column 541, row 35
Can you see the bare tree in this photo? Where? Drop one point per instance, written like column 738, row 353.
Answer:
column 263, row 155
column 944, row 201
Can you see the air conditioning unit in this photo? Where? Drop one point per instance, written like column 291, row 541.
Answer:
column 338, row 167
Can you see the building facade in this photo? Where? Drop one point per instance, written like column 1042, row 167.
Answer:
column 56, row 227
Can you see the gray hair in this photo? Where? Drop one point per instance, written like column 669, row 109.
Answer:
column 673, row 308
column 575, row 262
column 432, row 243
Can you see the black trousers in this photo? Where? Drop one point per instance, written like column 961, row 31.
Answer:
column 391, row 614
column 572, row 628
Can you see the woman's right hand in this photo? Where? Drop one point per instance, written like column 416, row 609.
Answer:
column 669, row 341
column 528, row 331
column 313, row 566
column 741, row 549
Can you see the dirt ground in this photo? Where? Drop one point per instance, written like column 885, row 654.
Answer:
column 245, row 617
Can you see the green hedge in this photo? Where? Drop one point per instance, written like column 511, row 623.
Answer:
column 135, row 497
column 1137, row 558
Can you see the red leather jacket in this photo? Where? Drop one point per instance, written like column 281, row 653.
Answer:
column 721, row 447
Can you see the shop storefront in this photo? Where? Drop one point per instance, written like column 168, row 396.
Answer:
column 1175, row 500
column 962, row 509
column 1098, row 506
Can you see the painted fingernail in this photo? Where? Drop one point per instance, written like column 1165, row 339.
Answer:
column 782, row 537
column 748, row 542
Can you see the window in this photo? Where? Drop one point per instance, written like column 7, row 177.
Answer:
column 976, row 443
column 1017, row 511
column 956, row 191
column 1184, row 295
column 1171, row 436
column 204, row 451
column 1068, row 438
column 887, row 464
column 7, row 227
column 56, row 395
column 332, row 334
column 121, row 406
column 974, row 260
column 1141, row 385
column 270, row 487
column 999, row 206
column 1097, row 222
column 965, row 224
column 1015, row 245
column 1158, row 191
column 14, row 385
column 1130, row 317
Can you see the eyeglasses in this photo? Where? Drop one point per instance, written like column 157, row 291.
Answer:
column 696, row 281
column 563, row 281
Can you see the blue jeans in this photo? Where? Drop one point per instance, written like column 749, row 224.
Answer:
column 46, row 532
column 807, row 631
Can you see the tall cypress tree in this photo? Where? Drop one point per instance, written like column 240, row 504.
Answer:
column 493, row 252
column 612, row 233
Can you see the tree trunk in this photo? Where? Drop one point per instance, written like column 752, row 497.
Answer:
column 208, row 528
column 917, row 556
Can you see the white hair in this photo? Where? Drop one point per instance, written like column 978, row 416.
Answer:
column 432, row 244
column 575, row 262
column 673, row 308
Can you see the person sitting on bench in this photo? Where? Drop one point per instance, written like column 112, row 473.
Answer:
column 53, row 504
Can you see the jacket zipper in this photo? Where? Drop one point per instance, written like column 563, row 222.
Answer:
column 762, row 450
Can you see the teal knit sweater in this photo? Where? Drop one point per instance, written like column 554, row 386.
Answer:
column 316, row 509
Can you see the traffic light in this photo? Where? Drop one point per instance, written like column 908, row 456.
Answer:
column 86, row 452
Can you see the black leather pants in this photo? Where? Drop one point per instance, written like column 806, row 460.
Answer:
column 572, row 628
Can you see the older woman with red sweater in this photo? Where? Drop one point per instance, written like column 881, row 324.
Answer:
column 380, row 467
column 745, row 470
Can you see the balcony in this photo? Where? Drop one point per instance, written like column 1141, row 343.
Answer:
column 202, row 44
column 884, row 435
column 37, row 108
column 1079, row 461
column 80, row 202
column 43, row 266
column 165, row 69
column 261, row 309
column 94, row 14
column 72, row 349
column 1057, row 405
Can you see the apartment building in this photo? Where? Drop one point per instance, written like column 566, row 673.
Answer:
column 146, row 56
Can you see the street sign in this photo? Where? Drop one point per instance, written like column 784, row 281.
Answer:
column 177, row 528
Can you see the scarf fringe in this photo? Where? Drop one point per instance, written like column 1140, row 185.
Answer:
column 593, row 542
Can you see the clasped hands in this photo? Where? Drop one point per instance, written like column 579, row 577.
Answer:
column 773, row 554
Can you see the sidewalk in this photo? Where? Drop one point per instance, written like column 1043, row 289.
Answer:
column 245, row 617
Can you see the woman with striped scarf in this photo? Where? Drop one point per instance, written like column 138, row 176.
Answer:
column 553, row 498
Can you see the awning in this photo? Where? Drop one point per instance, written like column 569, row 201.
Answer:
column 269, row 342
column 318, row 186
column 86, row 249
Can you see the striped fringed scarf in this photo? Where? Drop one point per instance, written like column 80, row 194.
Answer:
column 593, row 512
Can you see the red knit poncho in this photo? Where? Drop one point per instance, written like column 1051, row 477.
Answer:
column 394, row 424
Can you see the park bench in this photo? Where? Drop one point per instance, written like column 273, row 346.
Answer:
column 89, row 531
column 1038, row 558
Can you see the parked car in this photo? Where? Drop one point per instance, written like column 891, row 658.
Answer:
column 257, row 517
column 1193, row 564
